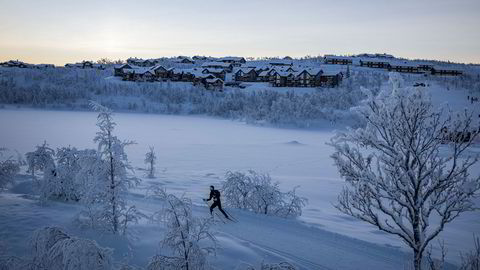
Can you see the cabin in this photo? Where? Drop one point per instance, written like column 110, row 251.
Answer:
column 141, row 62
column 284, row 79
column 235, row 61
column 445, row 71
column 198, row 57
column 263, row 76
column 217, row 72
column 228, row 67
column 215, row 84
column 161, row 73
column 118, row 69
column 404, row 67
column 330, row 78
column 15, row 63
column 303, row 79
column 246, row 75
column 374, row 63
column 138, row 74
column 184, row 60
column 338, row 60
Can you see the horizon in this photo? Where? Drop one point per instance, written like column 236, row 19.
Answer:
column 59, row 32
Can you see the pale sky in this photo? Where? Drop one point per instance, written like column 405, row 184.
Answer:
column 60, row 31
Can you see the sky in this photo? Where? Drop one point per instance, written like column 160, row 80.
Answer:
column 63, row 31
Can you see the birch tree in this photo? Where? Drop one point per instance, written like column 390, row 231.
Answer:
column 398, row 176
column 106, row 202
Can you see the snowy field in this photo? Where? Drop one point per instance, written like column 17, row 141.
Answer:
column 195, row 152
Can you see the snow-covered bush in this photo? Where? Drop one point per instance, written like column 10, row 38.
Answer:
column 106, row 178
column 188, row 238
column 151, row 160
column 9, row 167
column 258, row 193
column 398, row 176
column 54, row 249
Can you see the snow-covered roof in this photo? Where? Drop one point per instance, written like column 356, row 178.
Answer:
column 216, row 64
column 231, row 58
column 214, row 80
column 329, row 56
column 214, row 70
column 138, row 70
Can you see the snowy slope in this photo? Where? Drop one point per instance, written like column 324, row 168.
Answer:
column 195, row 152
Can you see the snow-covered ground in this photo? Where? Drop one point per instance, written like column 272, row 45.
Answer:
column 195, row 152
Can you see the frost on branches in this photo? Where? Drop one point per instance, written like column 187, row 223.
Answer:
column 398, row 179
column 9, row 167
column 188, row 238
column 151, row 160
column 106, row 178
column 256, row 192
column 42, row 159
column 53, row 249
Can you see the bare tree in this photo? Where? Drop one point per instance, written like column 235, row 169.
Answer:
column 398, row 179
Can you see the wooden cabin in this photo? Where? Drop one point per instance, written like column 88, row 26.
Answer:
column 404, row 67
column 338, row 60
column 235, row 61
column 445, row 71
column 284, row 79
column 161, row 73
column 374, row 63
column 118, row 69
column 246, row 75
column 228, row 67
column 217, row 72
column 215, row 84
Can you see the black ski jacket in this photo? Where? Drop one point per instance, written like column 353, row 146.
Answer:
column 215, row 195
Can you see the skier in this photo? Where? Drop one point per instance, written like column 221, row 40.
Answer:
column 215, row 195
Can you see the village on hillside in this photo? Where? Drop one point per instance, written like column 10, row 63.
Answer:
column 215, row 73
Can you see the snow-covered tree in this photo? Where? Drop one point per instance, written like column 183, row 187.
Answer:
column 150, row 160
column 66, row 186
column 188, row 238
column 41, row 159
column 9, row 167
column 107, row 178
column 258, row 193
column 54, row 249
column 471, row 260
column 398, row 177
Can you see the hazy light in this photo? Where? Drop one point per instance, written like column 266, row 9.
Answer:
column 59, row 31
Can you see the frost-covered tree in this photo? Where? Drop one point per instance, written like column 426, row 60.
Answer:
column 106, row 173
column 65, row 184
column 258, row 193
column 54, row 249
column 151, row 160
column 471, row 260
column 398, row 177
column 188, row 238
column 9, row 167
column 41, row 159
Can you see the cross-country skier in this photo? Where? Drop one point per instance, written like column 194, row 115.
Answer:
column 215, row 195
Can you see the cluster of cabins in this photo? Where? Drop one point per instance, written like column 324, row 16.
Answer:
column 212, row 73
column 388, row 62
column 20, row 64
column 85, row 65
